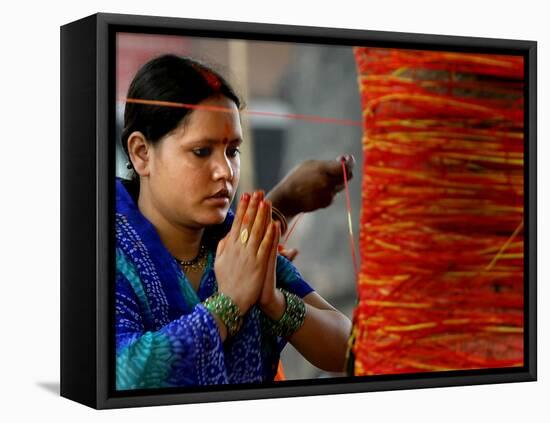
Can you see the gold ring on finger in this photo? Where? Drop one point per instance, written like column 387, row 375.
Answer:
column 244, row 236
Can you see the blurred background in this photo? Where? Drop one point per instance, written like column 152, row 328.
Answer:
column 278, row 77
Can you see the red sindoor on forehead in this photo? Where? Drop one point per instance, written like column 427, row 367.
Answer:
column 227, row 134
column 212, row 80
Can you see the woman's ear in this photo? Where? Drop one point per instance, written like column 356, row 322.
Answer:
column 139, row 151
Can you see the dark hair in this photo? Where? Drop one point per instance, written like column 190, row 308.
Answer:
column 173, row 79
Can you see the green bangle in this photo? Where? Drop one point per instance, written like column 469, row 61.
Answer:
column 228, row 312
column 292, row 319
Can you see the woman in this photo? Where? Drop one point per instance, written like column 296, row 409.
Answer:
column 201, row 295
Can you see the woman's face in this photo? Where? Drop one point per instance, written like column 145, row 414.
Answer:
column 195, row 169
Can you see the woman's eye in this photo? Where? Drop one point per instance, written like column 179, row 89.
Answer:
column 201, row 152
column 233, row 152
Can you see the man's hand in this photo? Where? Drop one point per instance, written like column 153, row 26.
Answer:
column 311, row 185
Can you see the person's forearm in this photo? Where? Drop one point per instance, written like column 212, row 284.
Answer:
column 280, row 200
column 323, row 338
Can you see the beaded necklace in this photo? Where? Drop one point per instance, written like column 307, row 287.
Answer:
column 198, row 263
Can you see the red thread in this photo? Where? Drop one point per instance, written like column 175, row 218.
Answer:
column 441, row 240
column 296, row 219
column 309, row 118
column 348, row 204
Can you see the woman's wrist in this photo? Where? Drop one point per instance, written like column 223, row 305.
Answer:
column 276, row 307
column 291, row 320
column 237, row 298
column 225, row 310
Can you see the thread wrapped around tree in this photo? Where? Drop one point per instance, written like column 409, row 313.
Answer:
column 441, row 236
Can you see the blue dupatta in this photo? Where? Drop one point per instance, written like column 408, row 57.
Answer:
column 165, row 337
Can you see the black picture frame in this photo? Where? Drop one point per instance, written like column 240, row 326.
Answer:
column 87, row 169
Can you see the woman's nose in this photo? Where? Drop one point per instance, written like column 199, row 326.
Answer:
column 223, row 169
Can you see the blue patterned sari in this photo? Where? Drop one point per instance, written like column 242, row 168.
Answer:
column 165, row 337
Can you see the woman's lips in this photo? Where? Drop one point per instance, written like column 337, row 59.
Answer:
column 218, row 201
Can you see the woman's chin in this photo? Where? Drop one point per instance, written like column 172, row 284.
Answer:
column 215, row 217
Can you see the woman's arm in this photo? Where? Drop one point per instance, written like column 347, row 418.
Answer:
column 323, row 338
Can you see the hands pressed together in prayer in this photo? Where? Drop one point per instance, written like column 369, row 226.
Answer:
column 246, row 259
column 311, row 185
column 249, row 253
